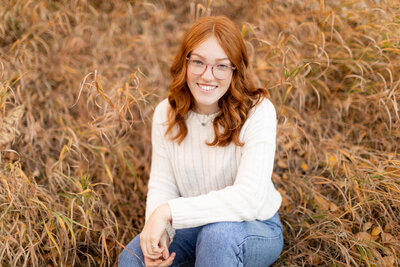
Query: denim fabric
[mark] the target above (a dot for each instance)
(254, 243)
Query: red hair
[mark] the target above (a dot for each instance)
(241, 96)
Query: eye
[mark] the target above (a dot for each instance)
(223, 66)
(198, 62)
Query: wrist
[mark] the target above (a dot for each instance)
(165, 212)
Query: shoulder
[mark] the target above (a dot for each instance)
(161, 111)
(264, 110)
(261, 122)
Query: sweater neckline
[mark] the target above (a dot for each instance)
(204, 115)
(203, 119)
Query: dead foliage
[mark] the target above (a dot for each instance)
(78, 84)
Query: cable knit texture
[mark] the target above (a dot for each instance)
(204, 184)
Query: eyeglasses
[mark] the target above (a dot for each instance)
(220, 71)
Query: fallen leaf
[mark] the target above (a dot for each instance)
(333, 207)
(366, 226)
(282, 164)
(373, 160)
(304, 167)
(341, 183)
(375, 231)
(364, 236)
(322, 203)
(388, 227)
(387, 238)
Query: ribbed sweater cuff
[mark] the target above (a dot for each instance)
(178, 216)
(170, 232)
(186, 216)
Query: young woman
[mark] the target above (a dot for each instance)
(211, 201)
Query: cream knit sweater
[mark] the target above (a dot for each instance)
(204, 184)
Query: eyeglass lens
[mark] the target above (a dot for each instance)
(220, 71)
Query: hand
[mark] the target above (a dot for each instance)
(165, 259)
(153, 233)
(159, 262)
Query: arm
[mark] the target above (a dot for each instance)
(253, 194)
(161, 187)
(153, 238)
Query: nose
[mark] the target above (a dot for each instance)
(207, 74)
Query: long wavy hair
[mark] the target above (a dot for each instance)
(235, 104)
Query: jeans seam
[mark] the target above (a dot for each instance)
(277, 224)
(260, 237)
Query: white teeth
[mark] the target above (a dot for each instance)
(207, 88)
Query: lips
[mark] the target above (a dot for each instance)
(207, 87)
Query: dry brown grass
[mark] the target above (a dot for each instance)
(79, 81)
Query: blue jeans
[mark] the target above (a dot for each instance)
(254, 243)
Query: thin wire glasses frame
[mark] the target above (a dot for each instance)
(206, 65)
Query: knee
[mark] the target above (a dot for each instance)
(124, 259)
(261, 250)
(132, 255)
(127, 258)
(220, 235)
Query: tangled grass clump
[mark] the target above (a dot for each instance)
(78, 84)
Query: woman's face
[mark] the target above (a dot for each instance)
(205, 88)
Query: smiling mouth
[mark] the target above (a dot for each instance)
(207, 88)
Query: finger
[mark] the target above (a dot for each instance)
(150, 262)
(144, 248)
(165, 253)
(153, 256)
(155, 248)
(169, 261)
(148, 252)
(164, 246)
(152, 248)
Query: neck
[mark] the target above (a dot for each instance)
(205, 112)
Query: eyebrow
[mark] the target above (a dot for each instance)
(218, 59)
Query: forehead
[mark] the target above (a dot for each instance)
(210, 49)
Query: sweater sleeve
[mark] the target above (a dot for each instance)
(162, 186)
(252, 193)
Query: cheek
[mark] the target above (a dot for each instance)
(227, 83)
(190, 82)
(190, 78)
